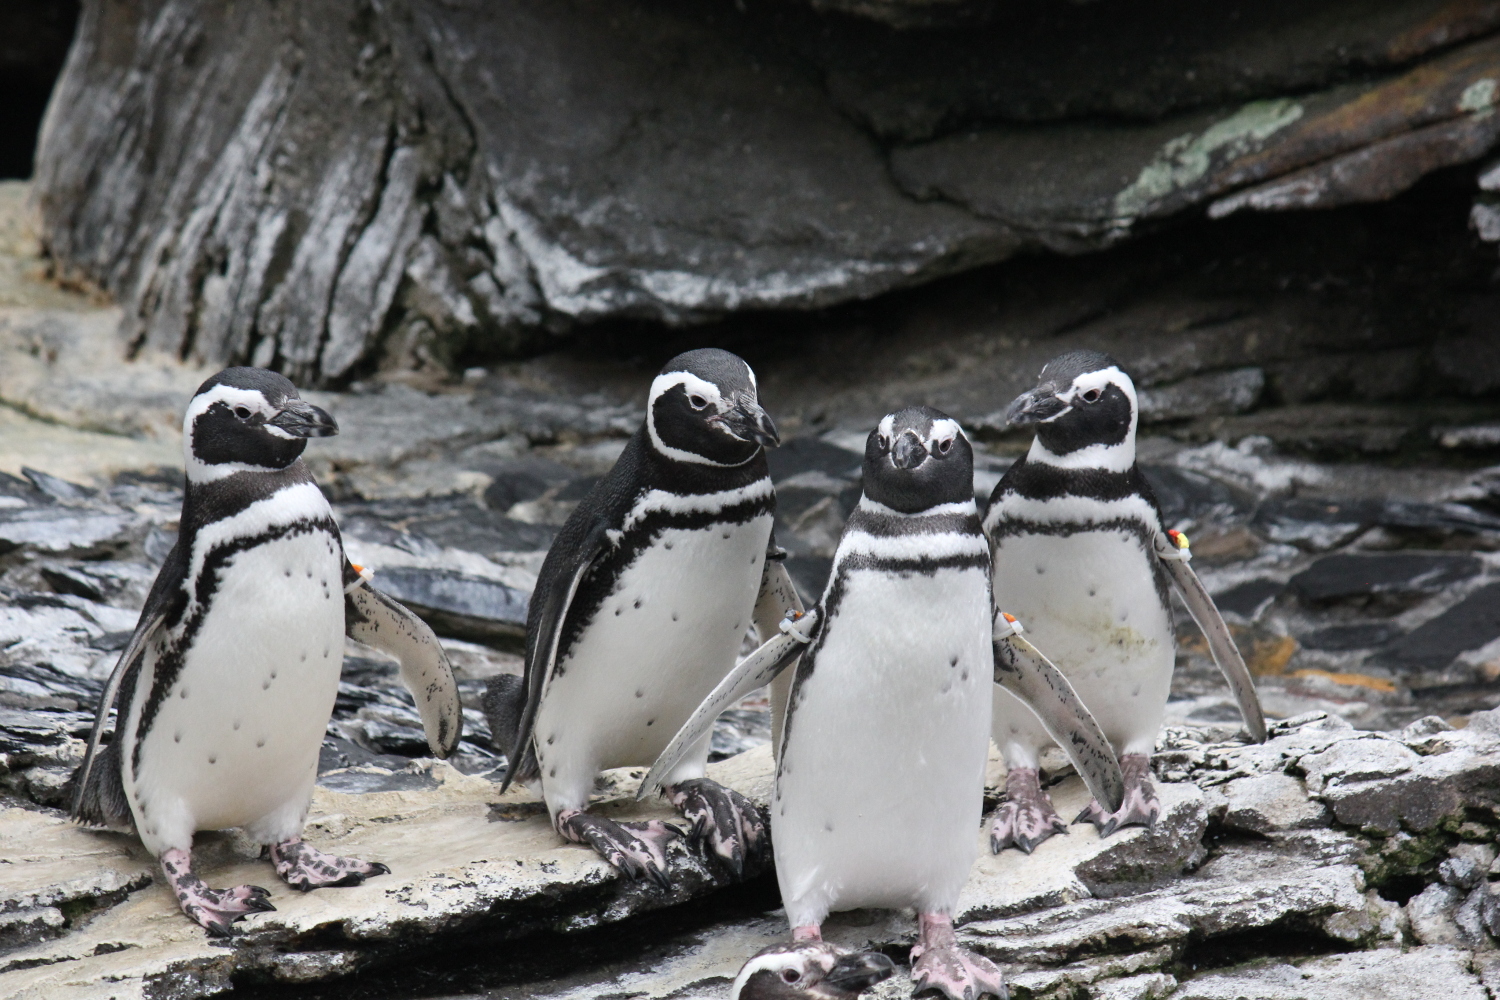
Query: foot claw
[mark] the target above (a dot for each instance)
(724, 820)
(1141, 807)
(1027, 818)
(305, 868)
(215, 910)
(637, 849)
(940, 966)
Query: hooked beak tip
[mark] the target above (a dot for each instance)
(304, 420)
(1032, 407)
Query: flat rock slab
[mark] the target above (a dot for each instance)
(1419, 974)
(461, 854)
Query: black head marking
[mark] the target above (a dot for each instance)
(810, 970)
(1082, 398)
(704, 410)
(248, 418)
(916, 459)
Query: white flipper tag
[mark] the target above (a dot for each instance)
(387, 626)
(1201, 606)
(1022, 670)
(756, 670)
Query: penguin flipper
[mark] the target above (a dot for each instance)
(754, 671)
(777, 596)
(1201, 606)
(1022, 670)
(376, 620)
(98, 787)
(550, 601)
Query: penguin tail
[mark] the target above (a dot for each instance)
(504, 703)
(102, 802)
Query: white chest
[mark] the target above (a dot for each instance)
(663, 638)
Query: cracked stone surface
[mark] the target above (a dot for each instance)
(441, 178)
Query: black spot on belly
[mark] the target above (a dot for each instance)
(667, 545)
(650, 722)
(552, 773)
(617, 612)
(828, 827)
(1040, 569)
(212, 759)
(177, 738)
(551, 739)
(265, 685)
(674, 616)
(953, 661)
(637, 602)
(260, 742)
(640, 692)
(236, 725)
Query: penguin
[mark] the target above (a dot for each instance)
(880, 779)
(809, 970)
(1080, 554)
(226, 686)
(639, 611)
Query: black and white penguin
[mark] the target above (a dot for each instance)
(224, 691)
(1081, 556)
(880, 778)
(639, 611)
(809, 970)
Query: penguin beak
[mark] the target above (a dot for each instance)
(908, 452)
(304, 420)
(858, 972)
(748, 422)
(1034, 406)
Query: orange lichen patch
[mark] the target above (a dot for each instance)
(1352, 680)
(1269, 656)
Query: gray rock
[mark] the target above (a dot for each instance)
(1270, 802)
(1432, 913)
(1356, 761)
(1213, 394)
(1469, 624)
(1429, 973)
(1344, 576)
(458, 605)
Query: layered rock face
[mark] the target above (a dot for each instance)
(337, 186)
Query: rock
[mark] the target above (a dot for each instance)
(1469, 624)
(454, 604)
(1249, 599)
(1270, 802)
(1350, 575)
(453, 205)
(1428, 973)
(456, 863)
(1235, 391)
(1418, 794)
(1338, 638)
(1147, 987)
(1432, 915)
(1318, 525)
(1356, 760)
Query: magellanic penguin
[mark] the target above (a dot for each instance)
(639, 611)
(809, 970)
(223, 693)
(880, 782)
(1082, 558)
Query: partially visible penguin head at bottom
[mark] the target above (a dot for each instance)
(918, 458)
(809, 970)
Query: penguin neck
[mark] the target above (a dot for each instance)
(1116, 457)
(207, 501)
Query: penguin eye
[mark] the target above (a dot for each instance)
(944, 445)
(790, 975)
(885, 443)
(697, 402)
(242, 412)
(1092, 396)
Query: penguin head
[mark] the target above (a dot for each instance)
(918, 458)
(704, 409)
(1084, 410)
(809, 969)
(248, 420)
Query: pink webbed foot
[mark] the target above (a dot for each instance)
(215, 910)
(1026, 818)
(1141, 806)
(939, 965)
(305, 868)
(722, 819)
(637, 849)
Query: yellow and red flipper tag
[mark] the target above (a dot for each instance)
(1178, 538)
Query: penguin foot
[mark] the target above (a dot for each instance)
(637, 849)
(1141, 806)
(1026, 818)
(305, 868)
(722, 819)
(215, 910)
(940, 967)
